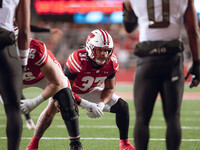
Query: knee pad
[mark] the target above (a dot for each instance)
(120, 107)
(66, 104)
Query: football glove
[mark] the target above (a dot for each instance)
(27, 105)
(95, 110)
(195, 71)
(129, 20)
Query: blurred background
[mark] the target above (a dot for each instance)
(77, 18)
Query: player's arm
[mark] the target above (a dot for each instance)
(109, 88)
(192, 28)
(55, 77)
(129, 17)
(23, 23)
(57, 81)
(52, 30)
(92, 108)
(38, 29)
(71, 76)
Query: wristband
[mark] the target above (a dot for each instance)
(24, 61)
(38, 99)
(24, 53)
(84, 103)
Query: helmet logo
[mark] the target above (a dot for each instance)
(90, 37)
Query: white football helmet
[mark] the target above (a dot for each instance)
(99, 39)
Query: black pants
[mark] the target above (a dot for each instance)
(164, 75)
(10, 90)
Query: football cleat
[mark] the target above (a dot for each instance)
(33, 145)
(30, 124)
(126, 145)
(76, 146)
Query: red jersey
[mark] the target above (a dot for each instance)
(87, 77)
(38, 56)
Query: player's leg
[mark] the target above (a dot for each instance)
(44, 121)
(172, 92)
(115, 105)
(121, 109)
(69, 113)
(145, 93)
(10, 90)
(29, 122)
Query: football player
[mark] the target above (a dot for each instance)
(29, 122)
(87, 69)
(11, 64)
(44, 71)
(160, 62)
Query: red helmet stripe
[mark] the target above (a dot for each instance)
(105, 36)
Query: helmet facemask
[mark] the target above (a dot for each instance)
(102, 59)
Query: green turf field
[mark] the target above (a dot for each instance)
(102, 134)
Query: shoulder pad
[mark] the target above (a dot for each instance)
(115, 62)
(76, 60)
(38, 52)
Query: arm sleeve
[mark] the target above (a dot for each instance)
(38, 29)
(68, 74)
(111, 76)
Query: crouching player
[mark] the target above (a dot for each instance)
(87, 69)
(44, 71)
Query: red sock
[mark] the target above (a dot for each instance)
(34, 143)
(124, 142)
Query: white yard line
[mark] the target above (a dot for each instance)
(113, 127)
(91, 138)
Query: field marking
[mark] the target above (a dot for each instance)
(91, 138)
(113, 127)
(186, 96)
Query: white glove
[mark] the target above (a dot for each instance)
(91, 115)
(95, 110)
(27, 105)
(101, 106)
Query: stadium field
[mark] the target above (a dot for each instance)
(102, 133)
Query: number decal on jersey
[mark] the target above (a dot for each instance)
(82, 56)
(151, 14)
(89, 81)
(28, 76)
(32, 53)
(1, 3)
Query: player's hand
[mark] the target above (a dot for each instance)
(27, 105)
(195, 72)
(95, 110)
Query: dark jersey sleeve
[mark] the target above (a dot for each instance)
(38, 29)
(68, 74)
(111, 76)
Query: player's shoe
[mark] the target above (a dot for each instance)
(76, 146)
(126, 145)
(30, 124)
(33, 145)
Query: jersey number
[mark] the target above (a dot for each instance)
(1, 3)
(89, 81)
(151, 14)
